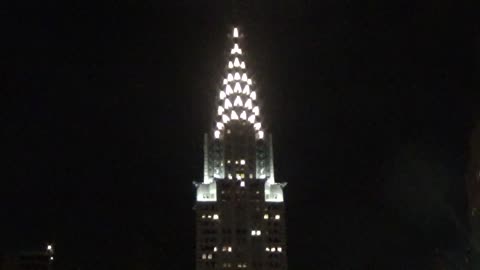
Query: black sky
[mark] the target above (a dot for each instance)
(105, 104)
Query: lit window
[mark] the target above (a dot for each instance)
(279, 249)
(215, 249)
(227, 104)
(215, 216)
(248, 104)
(51, 258)
(238, 177)
(242, 162)
(228, 89)
(209, 216)
(236, 161)
(238, 88)
(49, 247)
(246, 90)
(253, 95)
(251, 118)
(222, 95)
(243, 115)
(236, 63)
(230, 77)
(234, 115)
(203, 216)
(228, 161)
(249, 81)
(260, 134)
(225, 118)
(256, 110)
(229, 176)
(204, 256)
(273, 249)
(259, 232)
(265, 216)
(277, 216)
(238, 101)
(236, 49)
(224, 249)
(237, 76)
(244, 77)
(216, 134)
(267, 249)
(220, 110)
(220, 125)
(235, 32)
(209, 256)
(242, 183)
(230, 64)
(242, 65)
(253, 232)
(257, 126)
(229, 249)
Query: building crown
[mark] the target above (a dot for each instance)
(237, 98)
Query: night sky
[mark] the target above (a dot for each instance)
(104, 106)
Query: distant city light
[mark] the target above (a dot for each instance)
(235, 32)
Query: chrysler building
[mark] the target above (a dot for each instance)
(239, 208)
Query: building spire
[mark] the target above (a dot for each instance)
(237, 98)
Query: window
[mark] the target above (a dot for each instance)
(277, 217)
(265, 216)
(215, 216)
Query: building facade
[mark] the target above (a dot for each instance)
(240, 220)
(473, 191)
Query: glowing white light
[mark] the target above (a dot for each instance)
(238, 176)
(257, 126)
(209, 256)
(203, 216)
(238, 101)
(236, 63)
(242, 183)
(51, 258)
(215, 216)
(279, 249)
(242, 162)
(225, 118)
(272, 249)
(222, 95)
(259, 233)
(237, 76)
(267, 249)
(265, 216)
(220, 110)
(277, 216)
(228, 89)
(253, 232)
(244, 77)
(215, 249)
(220, 125)
(236, 49)
(251, 118)
(242, 65)
(256, 110)
(235, 32)
(227, 104)
(209, 216)
(216, 134)
(237, 88)
(246, 90)
(243, 115)
(230, 64)
(248, 104)
(229, 249)
(253, 95)
(260, 134)
(249, 81)
(49, 247)
(234, 115)
(204, 256)
(225, 81)
(230, 77)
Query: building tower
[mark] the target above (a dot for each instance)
(240, 220)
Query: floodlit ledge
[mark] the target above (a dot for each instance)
(207, 192)
(274, 192)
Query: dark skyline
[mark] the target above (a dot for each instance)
(370, 105)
